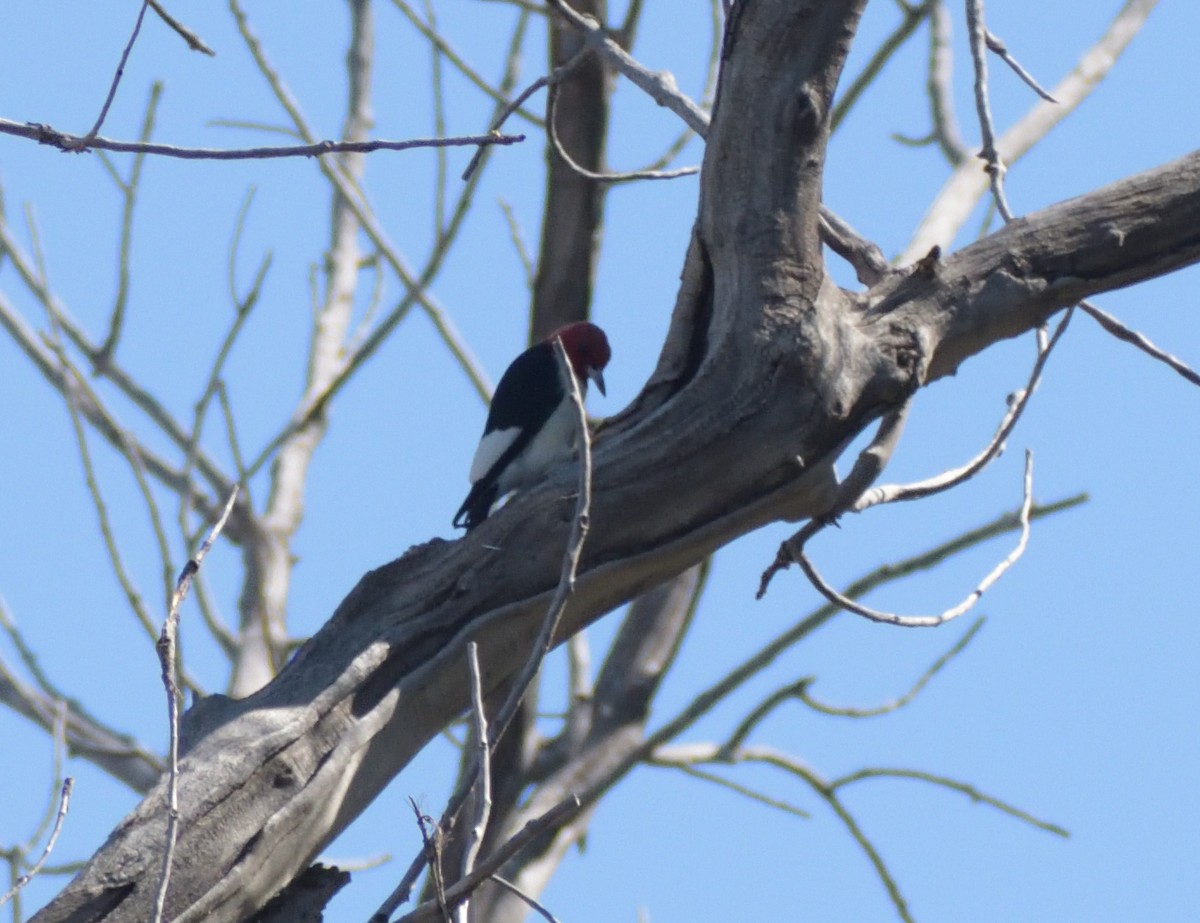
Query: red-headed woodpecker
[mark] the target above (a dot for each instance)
(531, 424)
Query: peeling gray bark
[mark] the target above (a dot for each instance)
(766, 362)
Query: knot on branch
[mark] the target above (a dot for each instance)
(809, 115)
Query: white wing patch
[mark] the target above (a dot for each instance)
(553, 443)
(491, 447)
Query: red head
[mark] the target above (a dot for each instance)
(587, 348)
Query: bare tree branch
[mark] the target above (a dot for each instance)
(803, 694)
(439, 42)
(660, 86)
(1017, 402)
(825, 790)
(957, 198)
(129, 191)
(168, 656)
(120, 755)
(1121, 332)
(552, 134)
(86, 140)
(463, 889)
(194, 41)
(533, 904)
(997, 47)
(954, 785)
(483, 783)
(911, 18)
(65, 141)
(929, 621)
(993, 164)
(90, 405)
(64, 802)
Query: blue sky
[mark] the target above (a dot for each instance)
(1075, 702)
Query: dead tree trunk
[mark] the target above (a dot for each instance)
(769, 370)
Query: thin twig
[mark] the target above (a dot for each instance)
(129, 191)
(534, 905)
(213, 386)
(439, 42)
(826, 791)
(58, 738)
(997, 47)
(483, 790)
(85, 141)
(65, 141)
(167, 644)
(977, 31)
(913, 16)
(928, 621)
(462, 889)
(661, 86)
(432, 857)
(1121, 332)
(938, 85)
(867, 467)
(576, 167)
(118, 754)
(132, 594)
(799, 690)
(194, 41)
(439, 125)
(433, 853)
(9, 625)
(661, 757)
(716, 33)
(74, 385)
(954, 785)
(518, 240)
(900, 701)
(64, 802)
(556, 75)
(1017, 402)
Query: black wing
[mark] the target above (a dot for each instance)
(526, 397)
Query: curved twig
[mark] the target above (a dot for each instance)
(1017, 402)
(929, 621)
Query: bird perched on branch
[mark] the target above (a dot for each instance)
(531, 424)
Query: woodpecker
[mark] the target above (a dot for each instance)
(531, 423)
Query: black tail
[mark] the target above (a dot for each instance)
(478, 504)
